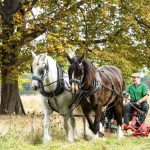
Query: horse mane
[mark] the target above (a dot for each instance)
(89, 73)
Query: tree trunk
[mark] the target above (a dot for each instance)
(10, 98)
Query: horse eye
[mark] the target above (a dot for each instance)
(41, 71)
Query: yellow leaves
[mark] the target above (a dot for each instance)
(104, 12)
(60, 59)
(22, 80)
(55, 43)
(15, 37)
(17, 18)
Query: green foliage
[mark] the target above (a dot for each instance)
(109, 32)
(25, 84)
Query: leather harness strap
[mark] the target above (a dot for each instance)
(59, 88)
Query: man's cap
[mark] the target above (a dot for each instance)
(136, 75)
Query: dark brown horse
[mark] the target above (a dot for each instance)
(97, 89)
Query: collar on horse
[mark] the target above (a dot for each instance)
(60, 83)
(96, 85)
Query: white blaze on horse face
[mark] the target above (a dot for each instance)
(74, 85)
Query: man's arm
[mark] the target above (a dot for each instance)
(142, 99)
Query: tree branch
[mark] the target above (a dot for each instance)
(42, 28)
(1, 9)
(27, 37)
(31, 5)
(17, 5)
(141, 21)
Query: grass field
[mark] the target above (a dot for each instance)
(25, 133)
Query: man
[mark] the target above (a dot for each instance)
(137, 94)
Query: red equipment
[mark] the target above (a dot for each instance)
(142, 130)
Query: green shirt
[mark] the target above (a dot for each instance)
(137, 92)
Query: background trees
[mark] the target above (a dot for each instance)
(107, 31)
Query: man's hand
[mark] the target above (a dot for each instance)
(138, 103)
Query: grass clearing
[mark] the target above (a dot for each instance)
(26, 132)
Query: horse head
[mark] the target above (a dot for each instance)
(75, 72)
(39, 69)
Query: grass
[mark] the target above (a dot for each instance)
(25, 133)
(14, 142)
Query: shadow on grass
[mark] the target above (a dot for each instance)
(36, 137)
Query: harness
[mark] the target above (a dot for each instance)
(58, 90)
(95, 86)
(60, 84)
(113, 90)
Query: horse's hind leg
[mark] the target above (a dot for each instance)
(118, 117)
(68, 128)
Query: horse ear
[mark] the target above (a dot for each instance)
(44, 56)
(33, 54)
(69, 59)
(81, 58)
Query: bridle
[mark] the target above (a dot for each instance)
(60, 81)
(43, 76)
(79, 82)
(83, 93)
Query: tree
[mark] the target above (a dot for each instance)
(13, 37)
(19, 26)
(107, 31)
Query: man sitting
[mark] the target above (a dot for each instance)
(137, 93)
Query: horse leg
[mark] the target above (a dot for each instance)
(101, 126)
(73, 124)
(97, 125)
(98, 113)
(68, 128)
(87, 110)
(47, 112)
(118, 117)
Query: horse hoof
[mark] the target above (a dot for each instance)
(120, 138)
(47, 139)
(70, 140)
(87, 137)
(100, 134)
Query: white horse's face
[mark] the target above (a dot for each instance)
(39, 66)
